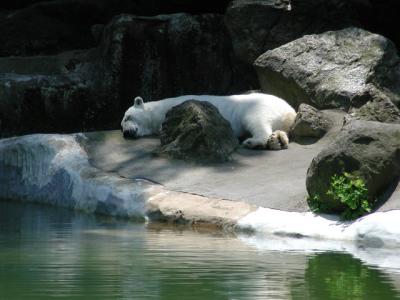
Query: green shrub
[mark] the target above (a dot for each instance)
(349, 190)
(316, 204)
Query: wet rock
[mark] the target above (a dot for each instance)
(335, 69)
(309, 123)
(369, 150)
(195, 130)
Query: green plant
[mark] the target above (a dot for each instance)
(316, 204)
(347, 189)
(352, 192)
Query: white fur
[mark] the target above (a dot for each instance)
(256, 114)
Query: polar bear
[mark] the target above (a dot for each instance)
(265, 118)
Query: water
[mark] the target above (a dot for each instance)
(48, 253)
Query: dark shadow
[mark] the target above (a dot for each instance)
(136, 151)
(330, 217)
(382, 198)
(307, 140)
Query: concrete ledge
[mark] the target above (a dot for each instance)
(56, 169)
(194, 209)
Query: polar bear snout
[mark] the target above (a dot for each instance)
(129, 128)
(130, 133)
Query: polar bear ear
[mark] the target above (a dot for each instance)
(138, 102)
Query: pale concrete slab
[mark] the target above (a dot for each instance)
(273, 179)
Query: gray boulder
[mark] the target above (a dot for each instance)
(195, 130)
(335, 69)
(379, 109)
(309, 123)
(370, 150)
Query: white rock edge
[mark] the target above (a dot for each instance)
(374, 239)
(374, 230)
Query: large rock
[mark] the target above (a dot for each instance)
(309, 123)
(370, 150)
(331, 70)
(169, 55)
(195, 130)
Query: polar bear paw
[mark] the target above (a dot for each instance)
(278, 140)
(253, 143)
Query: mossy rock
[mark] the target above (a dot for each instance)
(196, 131)
(366, 149)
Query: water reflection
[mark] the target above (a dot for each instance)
(47, 253)
(340, 276)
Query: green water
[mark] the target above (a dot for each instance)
(48, 253)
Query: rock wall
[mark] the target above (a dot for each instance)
(49, 27)
(155, 49)
(57, 93)
(168, 55)
(155, 57)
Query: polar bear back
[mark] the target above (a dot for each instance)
(241, 110)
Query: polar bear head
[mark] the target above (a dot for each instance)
(136, 121)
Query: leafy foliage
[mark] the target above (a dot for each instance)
(349, 190)
(316, 204)
(352, 192)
